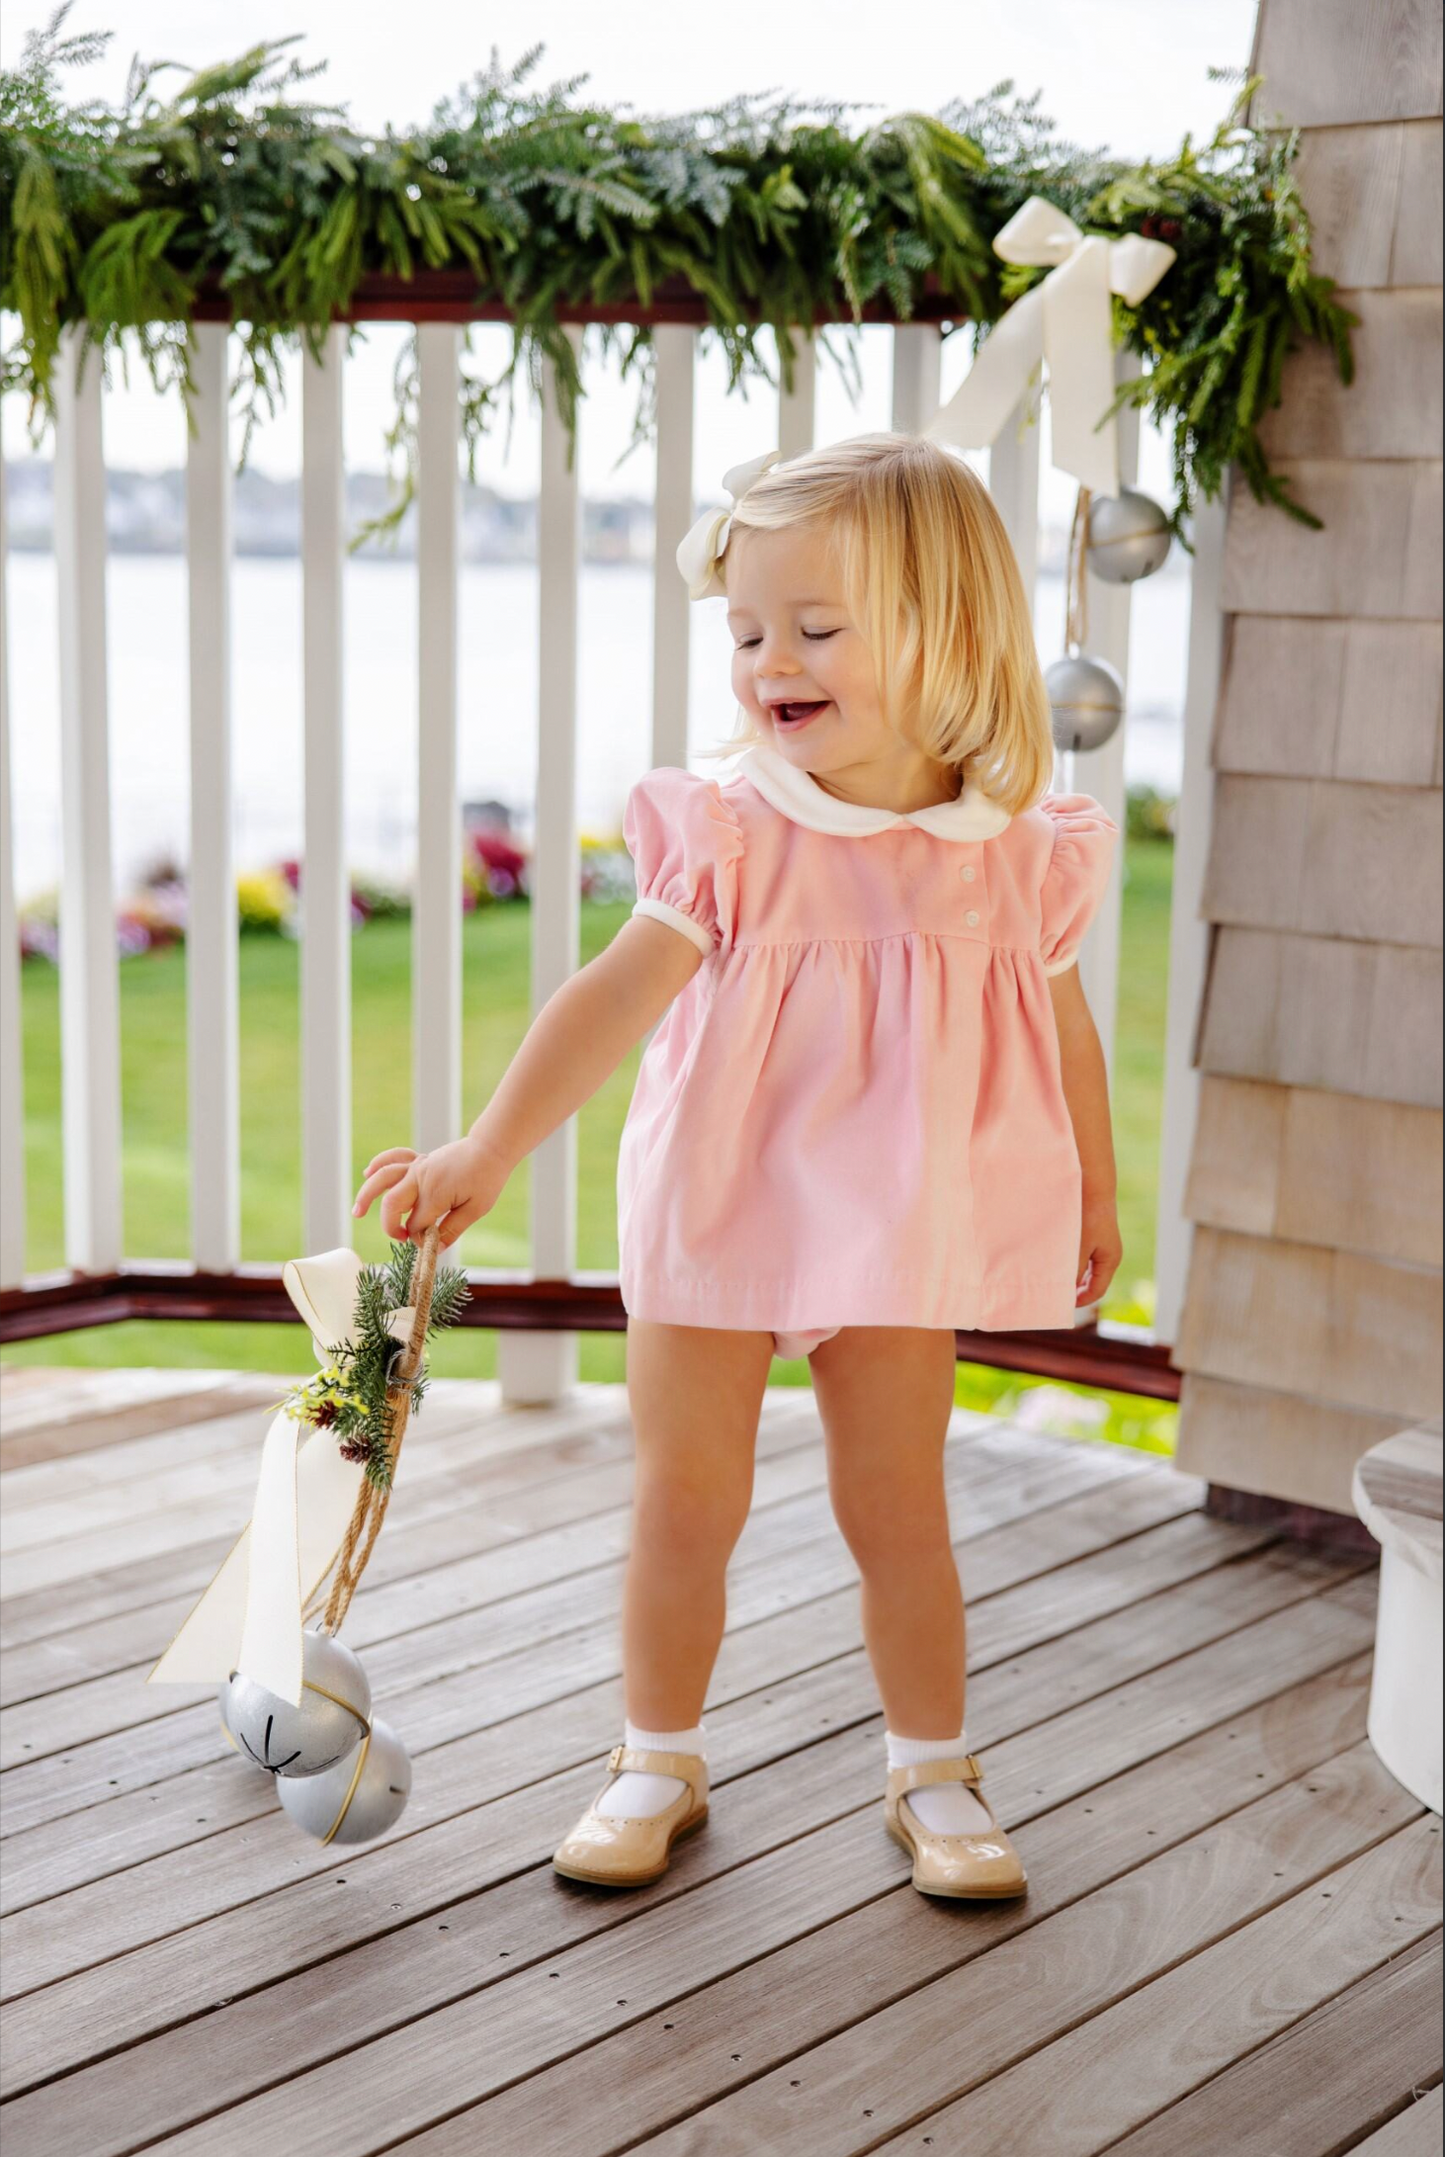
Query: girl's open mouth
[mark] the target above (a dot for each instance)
(796, 715)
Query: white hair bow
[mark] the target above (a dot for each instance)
(1066, 319)
(701, 549)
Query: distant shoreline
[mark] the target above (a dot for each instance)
(146, 515)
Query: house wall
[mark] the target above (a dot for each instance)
(1311, 1324)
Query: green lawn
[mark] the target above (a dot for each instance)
(495, 947)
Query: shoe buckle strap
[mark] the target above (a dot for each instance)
(687, 1767)
(964, 1767)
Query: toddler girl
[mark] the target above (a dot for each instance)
(874, 1108)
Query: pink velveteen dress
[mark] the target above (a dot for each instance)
(853, 1113)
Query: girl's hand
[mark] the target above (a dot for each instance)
(455, 1185)
(1101, 1248)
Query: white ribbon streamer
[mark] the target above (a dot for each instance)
(1066, 320)
(249, 1618)
(701, 549)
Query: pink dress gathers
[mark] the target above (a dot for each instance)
(853, 1113)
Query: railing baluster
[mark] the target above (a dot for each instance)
(1100, 772)
(917, 368)
(89, 972)
(12, 1062)
(325, 892)
(1188, 931)
(671, 608)
(536, 1366)
(1013, 481)
(796, 408)
(436, 962)
(212, 959)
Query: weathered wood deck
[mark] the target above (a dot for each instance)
(1231, 1944)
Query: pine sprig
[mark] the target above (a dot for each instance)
(773, 211)
(350, 1395)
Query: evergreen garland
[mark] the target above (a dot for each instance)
(768, 209)
(349, 1394)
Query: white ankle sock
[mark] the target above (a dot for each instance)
(944, 1808)
(638, 1795)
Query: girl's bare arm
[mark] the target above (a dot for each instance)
(575, 1042)
(1086, 1089)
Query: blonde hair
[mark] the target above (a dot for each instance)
(931, 581)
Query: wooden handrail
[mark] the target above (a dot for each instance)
(451, 296)
(1117, 1357)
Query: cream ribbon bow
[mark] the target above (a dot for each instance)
(701, 549)
(1067, 320)
(250, 1617)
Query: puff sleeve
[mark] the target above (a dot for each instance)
(685, 842)
(1085, 836)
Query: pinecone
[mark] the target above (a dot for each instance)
(356, 1449)
(323, 1415)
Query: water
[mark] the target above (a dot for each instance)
(146, 629)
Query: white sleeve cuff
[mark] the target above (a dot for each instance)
(1061, 966)
(676, 919)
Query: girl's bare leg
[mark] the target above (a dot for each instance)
(696, 1393)
(885, 1394)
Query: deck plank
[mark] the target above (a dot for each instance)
(536, 1447)
(1343, 2067)
(846, 1864)
(427, 1608)
(456, 1433)
(240, 1946)
(643, 2076)
(1172, 1708)
(59, 1854)
(506, 1503)
(1415, 2132)
(647, 2075)
(245, 1862)
(1080, 2094)
(1180, 1901)
(55, 1415)
(129, 1585)
(173, 1435)
(568, 1624)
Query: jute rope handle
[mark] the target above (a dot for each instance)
(371, 1503)
(1076, 580)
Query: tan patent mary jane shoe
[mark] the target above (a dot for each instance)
(626, 1852)
(984, 1864)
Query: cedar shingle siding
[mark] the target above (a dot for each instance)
(1312, 1318)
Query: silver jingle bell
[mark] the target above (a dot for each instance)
(1086, 701)
(222, 1695)
(288, 1739)
(1128, 537)
(358, 1799)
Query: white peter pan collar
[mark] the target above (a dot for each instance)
(971, 815)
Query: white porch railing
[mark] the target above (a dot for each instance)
(534, 1365)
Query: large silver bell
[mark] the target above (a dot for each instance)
(359, 1798)
(287, 1739)
(1128, 537)
(1086, 701)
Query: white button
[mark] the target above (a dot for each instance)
(972, 920)
(968, 874)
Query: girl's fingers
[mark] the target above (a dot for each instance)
(392, 1153)
(381, 1180)
(398, 1200)
(457, 1222)
(1095, 1277)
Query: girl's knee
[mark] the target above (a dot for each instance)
(679, 1518)
(888, 1538)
